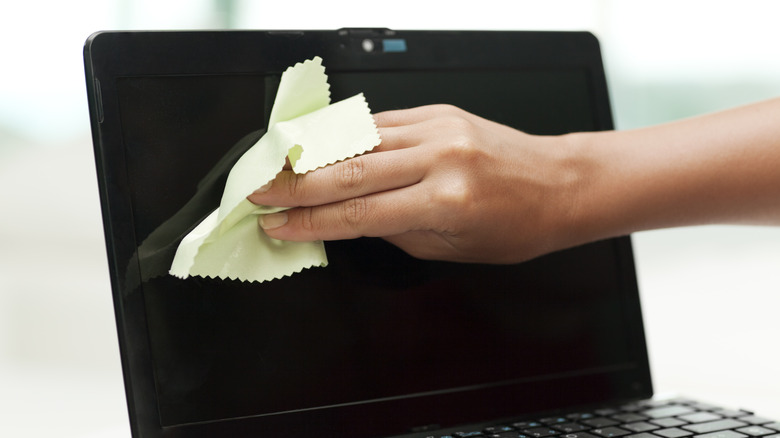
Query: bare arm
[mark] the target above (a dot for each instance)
(718, 168)
(449, 185)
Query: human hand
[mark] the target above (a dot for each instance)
(444, 184)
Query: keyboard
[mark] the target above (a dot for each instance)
(676, 418)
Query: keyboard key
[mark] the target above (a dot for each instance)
(672, 432)
(700, 417)
(755, 431)
(629, 418)
(504, 435)
(579, 435)
(681, 401)
(541, 432)
(498, 429)
(579, 416)
(553, 420)
(639, 426)
(526, 424)
(610, 432)
(775, 425)
(569, 427)
(668, 422)
(714, 426)
(606, 412)
(703, 406)
(731, 413)
(723, 434)
(600, 422)
(752, 419)
(659, 403)
(668, 411)
(641, 435)
(471, 434)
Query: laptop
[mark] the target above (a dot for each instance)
(378, 343)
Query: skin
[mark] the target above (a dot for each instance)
(448, 185)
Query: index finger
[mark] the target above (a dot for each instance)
(411, 116)
(347, 179)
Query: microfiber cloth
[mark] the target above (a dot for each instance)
(310, 132)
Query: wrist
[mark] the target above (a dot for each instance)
(592, 208)
(630, 181)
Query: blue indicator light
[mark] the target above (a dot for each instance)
(394, 45)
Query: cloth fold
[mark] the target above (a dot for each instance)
(311, 132)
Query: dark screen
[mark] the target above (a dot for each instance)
(375, 324)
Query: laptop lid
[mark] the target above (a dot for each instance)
(377, 343)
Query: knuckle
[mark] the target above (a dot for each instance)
(306, 218)
(459, 122)
(462, 142)
(295, 186)
(464, 148)
(351, 174)
(456, 198)
(354, 212)
(448, 109)
(462, 154)
(454, 204)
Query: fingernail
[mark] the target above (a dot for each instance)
(274, 220)
(265, 187)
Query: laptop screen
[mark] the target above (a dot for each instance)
(376, 331)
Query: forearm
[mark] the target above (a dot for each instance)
(719, 168)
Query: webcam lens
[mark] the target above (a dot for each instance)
(368, 45)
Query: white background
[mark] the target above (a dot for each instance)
(710, 294)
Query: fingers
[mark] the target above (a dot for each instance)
(401, 129)
(426, 125)
(355, 177)
(413, 116)
(386, 213)
(400, 137)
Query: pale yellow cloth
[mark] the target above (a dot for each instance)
(313, 133)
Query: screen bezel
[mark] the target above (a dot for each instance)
(112, 55)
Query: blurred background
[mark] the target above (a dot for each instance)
(710, 294)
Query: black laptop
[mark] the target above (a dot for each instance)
(377, 343)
